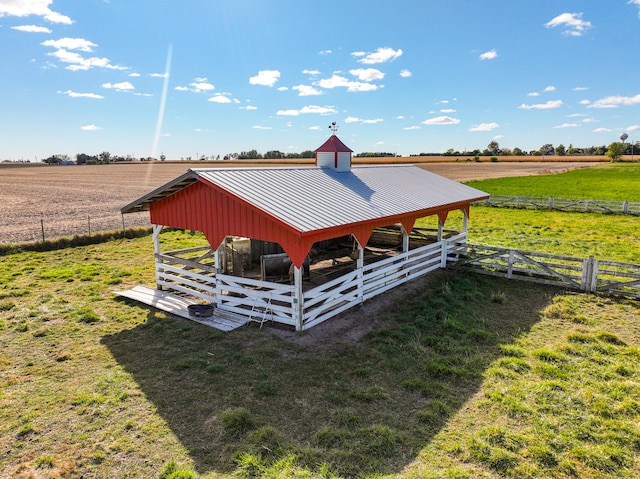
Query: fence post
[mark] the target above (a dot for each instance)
(42, 228)
(595, 267)
(510, 265)
(444, 251)
(625, 207)
(551, 203)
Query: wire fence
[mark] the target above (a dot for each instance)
(51, 227)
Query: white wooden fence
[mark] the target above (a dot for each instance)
(589, 275)
(564, 204)
(191, 272)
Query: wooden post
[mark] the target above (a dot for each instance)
(465, 220)
(625, 207)
(440, 229)
(42, 228)
(510, 265)
(359, 272)
(156, 250)
(405, 239)
(298, 299)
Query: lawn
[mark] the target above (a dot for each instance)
(466, 376)
(607, 181)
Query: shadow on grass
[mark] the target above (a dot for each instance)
(248, 398)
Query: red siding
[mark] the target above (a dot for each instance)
(205, 207)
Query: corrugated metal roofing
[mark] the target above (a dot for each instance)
(310, 198)
(334, 144)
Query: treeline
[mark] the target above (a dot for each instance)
(494, 149)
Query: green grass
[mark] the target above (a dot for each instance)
(451, 382)
(608, 181)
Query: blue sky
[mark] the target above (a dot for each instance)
(210, 77)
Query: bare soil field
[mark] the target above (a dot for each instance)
(76, 200)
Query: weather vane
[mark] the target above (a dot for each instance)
(333, 127)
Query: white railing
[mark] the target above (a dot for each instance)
(564, 204)
(589, 275)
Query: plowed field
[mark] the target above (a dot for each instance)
(70, 200)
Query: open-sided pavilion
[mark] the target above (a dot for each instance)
(298, 209)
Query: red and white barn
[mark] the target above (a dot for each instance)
(295, 208)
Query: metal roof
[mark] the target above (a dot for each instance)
(313, 198)
(334, 144)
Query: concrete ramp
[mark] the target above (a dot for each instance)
(178, 306)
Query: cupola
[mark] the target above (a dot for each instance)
(333, 153)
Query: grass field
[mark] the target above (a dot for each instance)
(464, 377)
(607, 181)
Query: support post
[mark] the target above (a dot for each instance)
(440, 230)
(359, 272)
(298, 299)
(156, 250)
(405, 239)
(465, 220)
(218, 259)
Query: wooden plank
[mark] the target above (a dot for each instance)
(178, 306)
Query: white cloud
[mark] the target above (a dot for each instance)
(582, 88)
(31, 29)
(367, 74)
(447, 110)
(567, 125)
(122, 86)
(325, 52)
(576, 115)
(490, 55)
(181, 88)
(635, 2)
(573, 23)
(77, 61)
(265, 78)
(405, 73)
(74, 94)
(584, 102)
(282, 88)
(201, 86)
(220, 98)
(633, 128)
(484, 127)
(258, 127)
(616, 101)
(311, 72)
(543, 106)
(24, 8)
(142, 94)
(338, 81)
(602, 130)
(249, 107)
(352, 119)
(381, 55)
(549, 88)
(589, 120)
(158, 75)
(90, 128)
(412, 128)
(134, 75)
(71, 44)
(307, 90)
(441, 120)
(533, 93)
(318, 110)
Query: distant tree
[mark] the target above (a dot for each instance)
(615, 151)
(560, 150)
(493, 147)
(162, 157)
(104, 157)
(274, 154)
(517, 152)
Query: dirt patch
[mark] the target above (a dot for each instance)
(351, 326)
